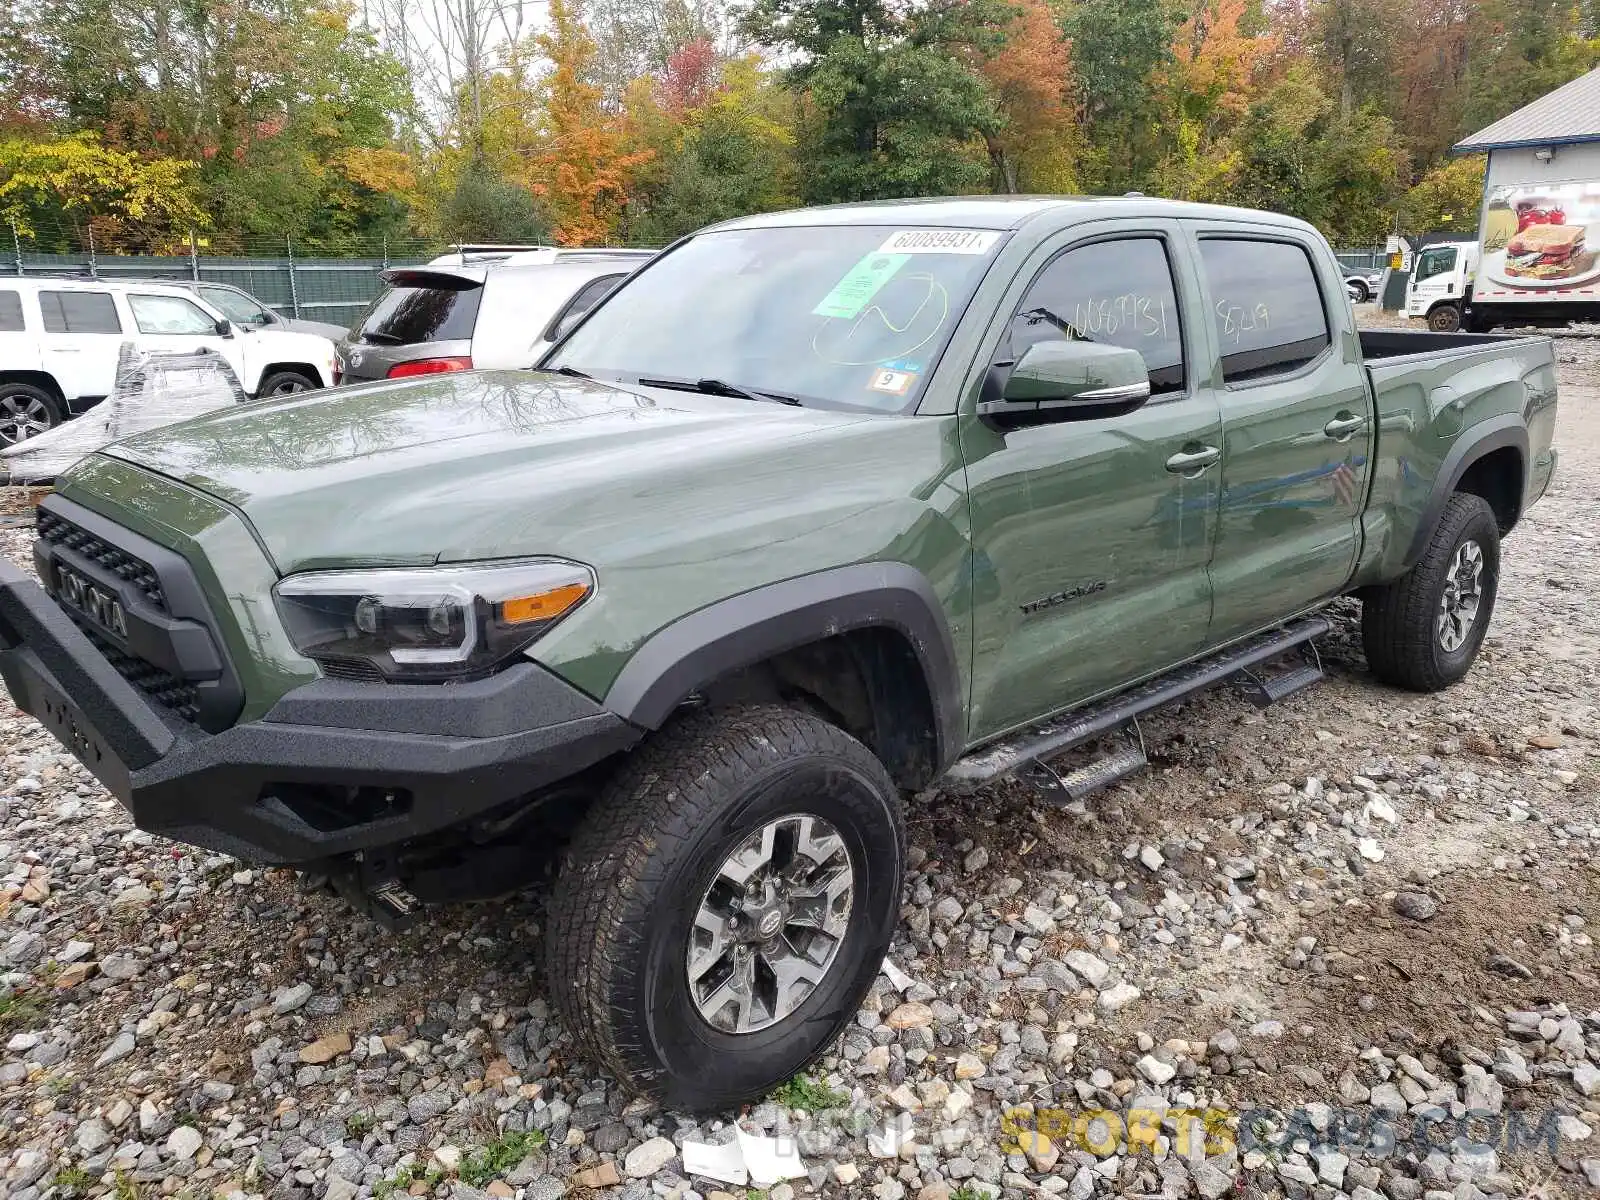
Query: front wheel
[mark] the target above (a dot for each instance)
(1423, 631)
(1445, 319)
(726, 904)
(285, 383)
(25, 411)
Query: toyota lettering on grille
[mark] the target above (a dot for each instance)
(100, 606)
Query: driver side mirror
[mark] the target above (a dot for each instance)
(224, 327)
(1066, 381)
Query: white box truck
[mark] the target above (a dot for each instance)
(1539, 234)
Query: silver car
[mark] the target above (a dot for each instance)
(244, 310)
(456, 318)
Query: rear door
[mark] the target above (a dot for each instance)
(1093, 536)
(81, 336)
(1296, 424)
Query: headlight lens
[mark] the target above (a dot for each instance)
(429, 623)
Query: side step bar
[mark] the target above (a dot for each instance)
(1027, 750)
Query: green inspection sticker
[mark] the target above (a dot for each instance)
(860, 284)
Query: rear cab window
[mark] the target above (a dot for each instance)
(422, 307)
(79, 312)
(1266, 304)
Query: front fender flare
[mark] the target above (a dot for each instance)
(756, 625)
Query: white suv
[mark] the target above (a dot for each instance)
(59, 341)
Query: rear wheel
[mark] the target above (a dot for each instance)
(285, 383)
(1444, 319)
(1358, 291)
(25, 411)
(1423, 631)
(726, 904)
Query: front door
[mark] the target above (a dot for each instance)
(1093, 536)
(177, 323)
(1297, 428)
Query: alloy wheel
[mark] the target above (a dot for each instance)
(770, 924)
(21, 417)
(1463, 595)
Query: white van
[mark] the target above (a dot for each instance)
(60, 337)
(1441, 281)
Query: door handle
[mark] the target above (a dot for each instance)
(1343, 426)
(1192, 463)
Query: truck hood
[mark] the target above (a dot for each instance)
(464, 466)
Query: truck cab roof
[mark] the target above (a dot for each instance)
(1005, 212)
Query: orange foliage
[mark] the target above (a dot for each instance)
(1216, 62)
(1029, 76)
(582, 172)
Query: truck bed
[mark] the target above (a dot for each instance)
(1377, 344)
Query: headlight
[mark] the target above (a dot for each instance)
(428, 623)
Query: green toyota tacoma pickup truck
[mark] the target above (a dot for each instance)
(817, 509)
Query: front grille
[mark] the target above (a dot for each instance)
(352, 669)
(60, 532)
(174, 694)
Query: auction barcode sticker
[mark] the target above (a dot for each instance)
(940, 241)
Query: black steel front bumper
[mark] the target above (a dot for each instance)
(332, 768)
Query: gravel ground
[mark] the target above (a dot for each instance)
(1293, 959)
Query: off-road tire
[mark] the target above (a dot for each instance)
(285, 383)
(22, 397)
(1399, 622)
(632, 879)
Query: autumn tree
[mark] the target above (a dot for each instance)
(1034, 146)
(582, 170)
(76, 184)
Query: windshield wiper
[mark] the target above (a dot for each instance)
(719, 387)
(573, 371)
(382, 339)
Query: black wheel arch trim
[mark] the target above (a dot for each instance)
(749, 628)
(1474, 442)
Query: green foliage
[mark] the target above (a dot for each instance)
(1446, 199)
(412, 1172)
(807, 1095)
(485, 207)
(499, 1156)
(967, 1192)
(73, 1182)
(20, 1013)
(138, 122)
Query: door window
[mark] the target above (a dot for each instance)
(588, 296)
(1267, 306)
(79, 312)
(1436, 260)
(236, 306)
(170, 315)
(1119, 292)
(10, 312)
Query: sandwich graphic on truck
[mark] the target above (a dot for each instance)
(1546, 252)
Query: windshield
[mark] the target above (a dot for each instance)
(836, 316)
(1435, 260)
